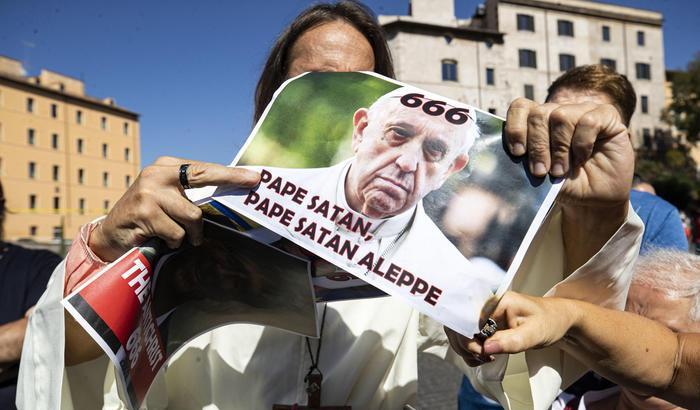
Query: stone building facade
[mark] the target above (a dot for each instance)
(65, 157)
(514, 48)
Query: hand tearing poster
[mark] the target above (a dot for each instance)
(369, 187)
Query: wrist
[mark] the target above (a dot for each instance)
(100, 245)
(574, 316)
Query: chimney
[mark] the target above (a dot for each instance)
(433, 11)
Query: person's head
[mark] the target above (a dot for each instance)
(639, 184)
(666, 288)
(595, 83)
(342, 36)
(402, 154)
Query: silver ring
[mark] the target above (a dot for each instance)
(184, 181)
(489, 328)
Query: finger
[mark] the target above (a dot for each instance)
(458, 342)
(185, 213)
(168, 161)
(515, 340)
(162, 226)
(598, 123)
(515, 131)
(201, 174)
(538, 139)
(562, 124)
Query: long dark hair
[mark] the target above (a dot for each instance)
(350, 11)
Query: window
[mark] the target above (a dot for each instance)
(492, 111)
(646, 136)
(54, 111)
(79, 145)
(31, 170)
(643, 71)
(30, 104)
(127, 154)
(126, 128)
(31, 136)
(105, 205)
(57, 232)
(449, 70)
(56, 203)
(640, 39)
(127, 181)
(566, 62)
(81, 176)
(54, 141)
(81, 206)
(490, 77)
(528, 58)
(606, 34)
(644, 104)
(32, 201)
(609, 62)
(105, 179)
(103, 123)
(565, 28)
(529, 92)
(55, 173)
(104, 150)
(32, 230)
(79, 117)
(526, 22)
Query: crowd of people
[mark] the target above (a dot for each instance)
(583, 272)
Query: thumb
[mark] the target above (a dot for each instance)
(514, 340)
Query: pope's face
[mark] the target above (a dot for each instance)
(401, 154)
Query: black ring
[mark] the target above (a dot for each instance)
(183, 176)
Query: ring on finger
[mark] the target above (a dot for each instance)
(184, 181)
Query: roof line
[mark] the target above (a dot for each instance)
(459, 32)
(588, 11)
(91, 101)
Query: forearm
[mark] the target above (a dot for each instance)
(11, 340)
(635, 352)
(586, 229)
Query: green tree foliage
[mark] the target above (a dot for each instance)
(313, 115)
(686, 100)
(673, 173)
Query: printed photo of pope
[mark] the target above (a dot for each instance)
(402, 150)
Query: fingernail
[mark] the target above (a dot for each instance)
(539, 169)
(557, 169)
(517, 149)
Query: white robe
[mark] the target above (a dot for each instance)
(369, 355)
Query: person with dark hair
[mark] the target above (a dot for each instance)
(368, 355)
(330, 54)
(23, 276)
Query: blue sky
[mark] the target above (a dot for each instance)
(189, 68)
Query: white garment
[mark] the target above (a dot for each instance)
(369, 354)
(586, 400)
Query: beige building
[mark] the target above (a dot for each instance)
(65, 157)
(513, 48)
